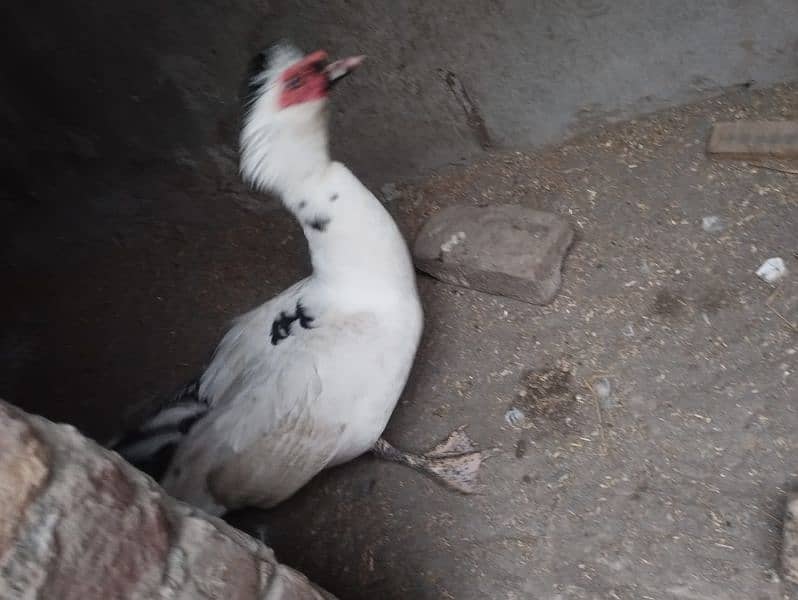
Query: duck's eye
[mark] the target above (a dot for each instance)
(294, 82)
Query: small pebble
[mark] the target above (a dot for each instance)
(390, 192)
(515, 417)
(772, 270)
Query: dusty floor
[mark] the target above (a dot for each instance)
(671, 487)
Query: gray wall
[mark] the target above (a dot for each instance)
(536, 70)
(131, 83)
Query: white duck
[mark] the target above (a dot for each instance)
(309, 379)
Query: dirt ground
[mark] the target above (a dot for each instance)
(669, 486)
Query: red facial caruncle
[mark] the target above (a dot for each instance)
(305, 81)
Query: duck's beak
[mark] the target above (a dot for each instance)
(339, 69)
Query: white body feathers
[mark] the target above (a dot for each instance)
(309, 379)
(281, 412)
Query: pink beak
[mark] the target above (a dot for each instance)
(339, 69)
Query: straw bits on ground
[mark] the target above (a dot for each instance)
(547, 400)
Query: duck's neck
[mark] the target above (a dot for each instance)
(354, 243)
(303, 157)
(281, 153)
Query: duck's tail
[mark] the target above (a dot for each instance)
(150, 447)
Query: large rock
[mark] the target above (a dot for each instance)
(23, 467)
(78, 522)
(506, 250)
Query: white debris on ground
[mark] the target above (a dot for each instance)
(712, 224)
(603, 390)
(772, 270)
(456, 238)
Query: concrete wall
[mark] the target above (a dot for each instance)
(535, 70)
(111, 82)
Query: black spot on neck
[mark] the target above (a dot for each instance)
(302, 204)
(318, 223)
(334, 197)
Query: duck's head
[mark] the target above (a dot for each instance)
(284, 137)
(310, 79)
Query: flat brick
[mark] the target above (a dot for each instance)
(752, 138)
(505, 250)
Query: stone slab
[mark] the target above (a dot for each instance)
(506, 250)
(755, 138)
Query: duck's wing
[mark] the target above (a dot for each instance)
(268, 431)
(277, 447)
(259, 446)
(258, 342)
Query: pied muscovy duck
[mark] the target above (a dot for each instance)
(309, 379)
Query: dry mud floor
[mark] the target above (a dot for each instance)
(670, 486)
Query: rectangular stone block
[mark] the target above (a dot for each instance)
(505, 250)
(755, 138)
